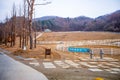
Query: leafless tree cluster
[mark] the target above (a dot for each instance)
(8, 30)
(18, 26)
(19, 29)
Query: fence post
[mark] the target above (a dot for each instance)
(101, 54)
(91, 54)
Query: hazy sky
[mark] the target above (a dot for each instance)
(64, 8)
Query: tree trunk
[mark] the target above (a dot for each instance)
(30, 5)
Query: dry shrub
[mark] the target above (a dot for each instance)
(20, 52)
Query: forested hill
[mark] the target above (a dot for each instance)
(109, 22)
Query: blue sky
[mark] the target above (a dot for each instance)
(64, 8)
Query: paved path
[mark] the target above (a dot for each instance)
(110, 67)
(39, 35)
(14, 70)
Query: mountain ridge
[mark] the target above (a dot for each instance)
(108, 22)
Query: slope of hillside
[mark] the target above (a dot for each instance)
(109, 22)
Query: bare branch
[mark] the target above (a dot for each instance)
(44, 3)
(28, 2)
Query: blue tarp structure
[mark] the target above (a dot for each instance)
(83, 50)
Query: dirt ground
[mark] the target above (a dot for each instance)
(66, 73)
(71, 73)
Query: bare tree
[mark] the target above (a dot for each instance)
(30, 12)
(13, 26)
(23, 27)
(6, 31)
(20, 32)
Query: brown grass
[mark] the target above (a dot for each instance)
(77, 36)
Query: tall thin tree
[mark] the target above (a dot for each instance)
(30, 5)
(13, 26)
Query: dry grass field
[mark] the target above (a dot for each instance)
(77, 36)
(62, 36)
